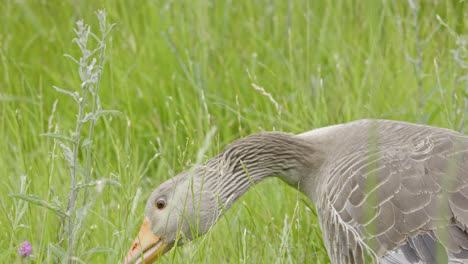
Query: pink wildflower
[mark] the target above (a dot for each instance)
(25, 249)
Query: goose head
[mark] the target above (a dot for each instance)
(177, 211)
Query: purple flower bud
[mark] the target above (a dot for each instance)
(25, 249)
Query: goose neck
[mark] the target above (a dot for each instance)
(249, 160)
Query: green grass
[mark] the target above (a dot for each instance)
(176, 69)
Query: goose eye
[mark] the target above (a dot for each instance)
(160, 204)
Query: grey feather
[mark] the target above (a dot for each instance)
(414, 176)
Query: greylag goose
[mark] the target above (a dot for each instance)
(385, 191)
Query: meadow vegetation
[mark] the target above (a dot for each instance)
(176, 70)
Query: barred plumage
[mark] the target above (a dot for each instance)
(385, 191)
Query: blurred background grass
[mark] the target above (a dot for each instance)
(175, 69)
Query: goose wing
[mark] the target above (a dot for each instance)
(401, 200)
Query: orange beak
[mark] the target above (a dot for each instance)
(146, 248)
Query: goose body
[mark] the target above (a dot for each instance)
(385, 191)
